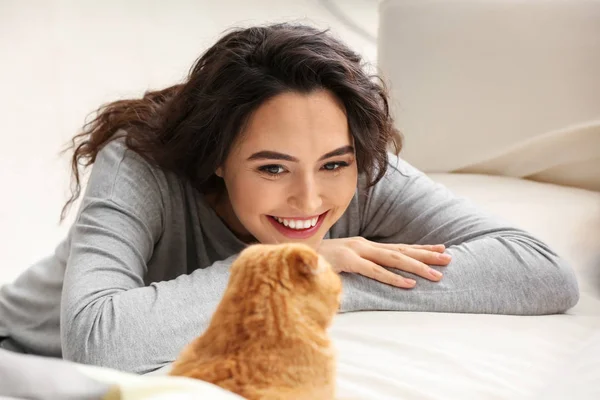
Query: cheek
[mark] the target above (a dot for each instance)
(340, 189)
(251, 197)
(350, 184)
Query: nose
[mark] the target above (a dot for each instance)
(305, 195)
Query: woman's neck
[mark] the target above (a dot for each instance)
(219, 202)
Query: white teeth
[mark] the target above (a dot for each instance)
(297, 223)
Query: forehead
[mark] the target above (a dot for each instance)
(296, 122)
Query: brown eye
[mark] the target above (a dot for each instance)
(272, 169)
(332, 166)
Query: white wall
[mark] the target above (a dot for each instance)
(61, 59)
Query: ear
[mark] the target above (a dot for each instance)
(307, 261)
(219, 172)
(321, 266)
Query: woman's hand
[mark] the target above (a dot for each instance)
(361, 256)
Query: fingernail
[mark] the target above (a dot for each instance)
(445, 257)
(434, 273)
(411, 282)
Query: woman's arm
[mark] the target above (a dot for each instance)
(109, 317)
(495, 268)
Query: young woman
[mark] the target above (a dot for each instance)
(277, 135)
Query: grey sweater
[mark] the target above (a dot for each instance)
(146, 262)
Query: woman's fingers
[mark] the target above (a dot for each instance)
(428, 257)
(438, 248)
(371, 260)
(374, 271)
(428, 254)
(398, 260)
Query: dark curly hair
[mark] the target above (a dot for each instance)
(189, 128)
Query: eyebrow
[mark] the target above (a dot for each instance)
(274, 155)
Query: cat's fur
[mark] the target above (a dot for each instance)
(268, 337)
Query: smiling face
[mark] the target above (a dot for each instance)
(292, 172)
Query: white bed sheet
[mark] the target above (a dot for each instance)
(387, 355)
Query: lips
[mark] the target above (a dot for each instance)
(292, 229)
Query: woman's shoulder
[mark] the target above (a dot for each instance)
(397, 165)
(398, 172)
(123, 176)
(116, 159)
(372, 201)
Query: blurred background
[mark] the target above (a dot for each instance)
(61, 59)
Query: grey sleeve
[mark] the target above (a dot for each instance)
(109, 317)
(495, 268)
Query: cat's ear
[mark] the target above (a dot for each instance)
(320, 267)
(308, 262)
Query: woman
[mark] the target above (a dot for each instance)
(277, 135)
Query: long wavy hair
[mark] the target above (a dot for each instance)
(189, 128)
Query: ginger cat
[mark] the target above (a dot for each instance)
(268, 337)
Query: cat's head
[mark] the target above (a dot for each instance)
(293, 273)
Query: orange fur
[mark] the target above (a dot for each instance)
(268, 337)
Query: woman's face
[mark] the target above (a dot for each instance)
(292, 173)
